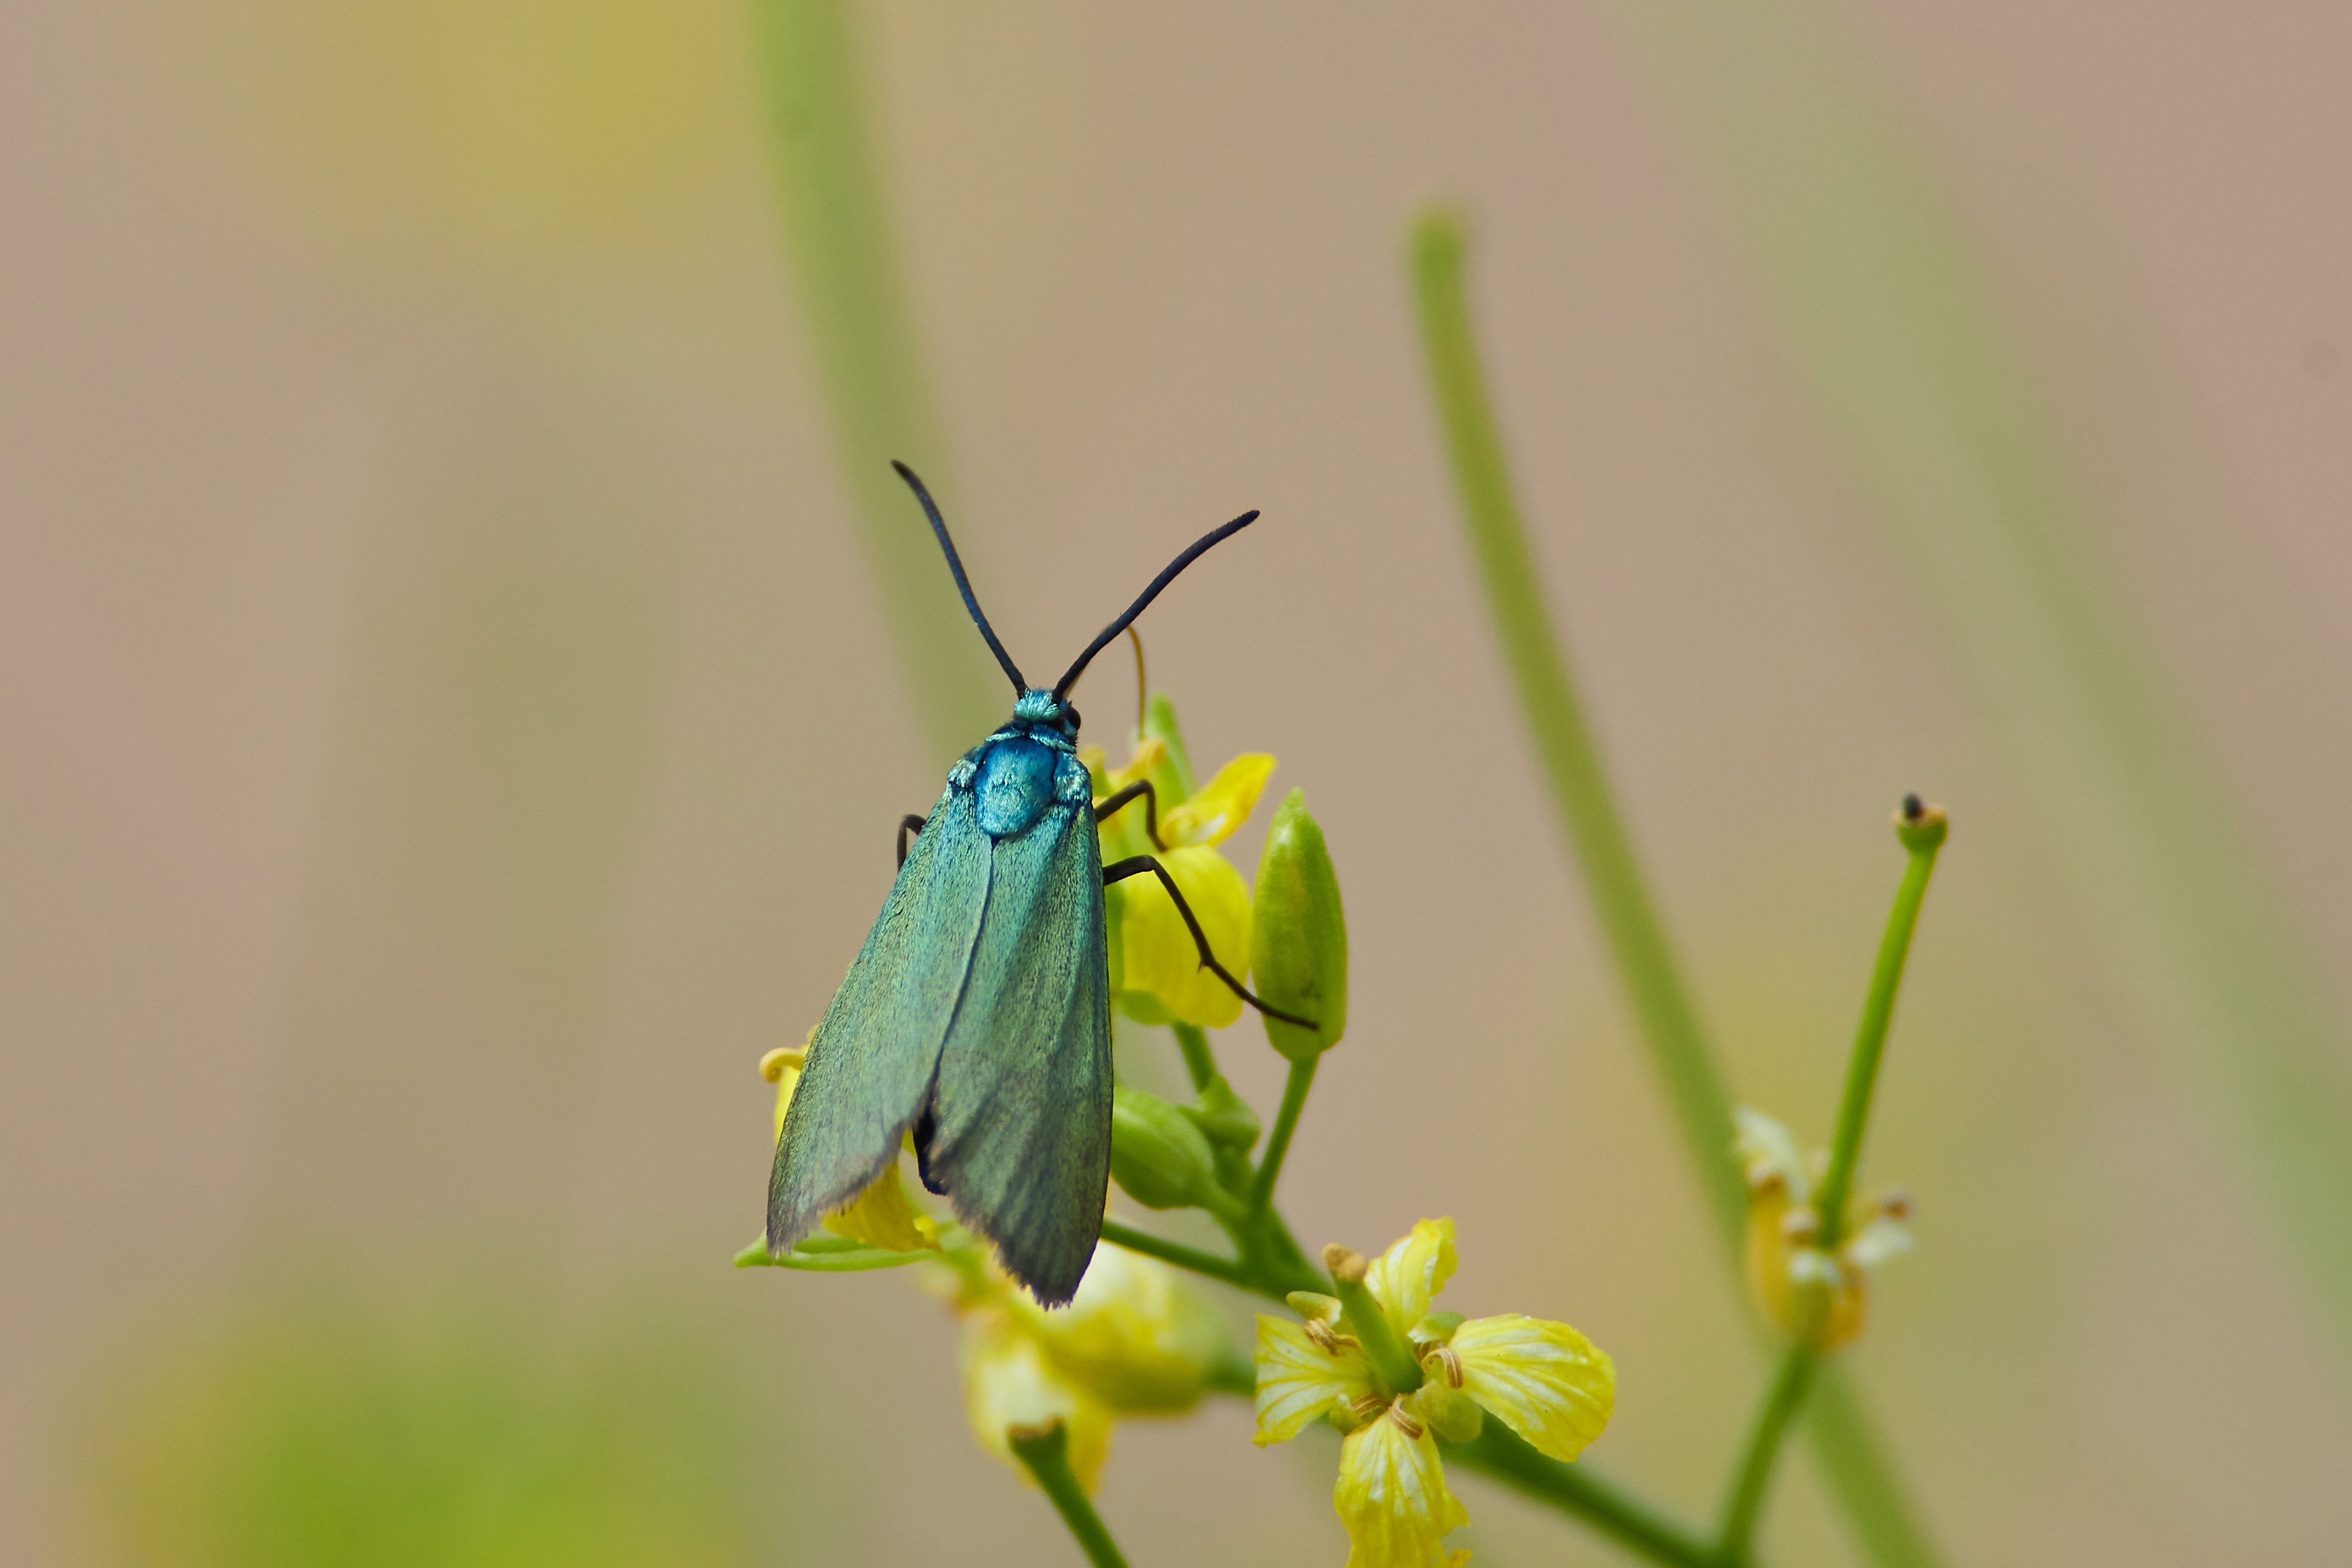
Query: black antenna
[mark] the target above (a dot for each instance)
(1143, 601)
(963, 584)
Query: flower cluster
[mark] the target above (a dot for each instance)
(1542, 1379)
(1401, 1380)
(1155, 966)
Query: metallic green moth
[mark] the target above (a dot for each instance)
(977, 1016)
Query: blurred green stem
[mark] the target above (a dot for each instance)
(1200, 1061)
(1579, 785)
(1046, 1451)
(1782, 1402)
(1865, 1486)
(862, 339)
(1630, 1521)
(1924, 392)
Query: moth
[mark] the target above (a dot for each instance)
(977, 1016)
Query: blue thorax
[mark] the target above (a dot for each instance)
(1027, 765)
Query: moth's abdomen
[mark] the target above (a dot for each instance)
(1015, 786)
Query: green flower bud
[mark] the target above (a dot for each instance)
(1298, 936)
(1224, 1117)
(1446, 1411)
(1157, 1156)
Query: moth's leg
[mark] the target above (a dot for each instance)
(1137, 867)
(1111, 803)
(908, 823)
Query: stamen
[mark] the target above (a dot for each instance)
(1364, 1406)
(1404, 1422)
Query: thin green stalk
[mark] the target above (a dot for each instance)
(1927, 396)
(1383, 1346)
(1277, 1143)
(861, 338)
(1782, 1400)
(1859, 1475)
(1046, 1451)
(1923, 829)
(1182, 1257)
(1554, 716)
(1200, 1061)
(1630, 1521)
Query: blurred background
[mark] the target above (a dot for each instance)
(456, 726)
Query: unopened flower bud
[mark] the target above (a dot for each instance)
(1158, 1155)
(1446, 1410)
(1298, 937)
(1224, 1117)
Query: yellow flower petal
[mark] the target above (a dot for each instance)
(884, 1216)
(1391, 1497)
(1876, 1242)
(1008, 1381)
(1543, 1380)
(783, 1068)
(1404, 1278)
(1133, 1335)
(1220, 807)
(1767, 1152)
(1159, 955)
(1124, 831)
(1298, 1381)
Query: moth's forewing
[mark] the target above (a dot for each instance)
(1022, 1143)
(871, 1065)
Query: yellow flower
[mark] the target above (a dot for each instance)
(1155, 963)
(1806, 1292)
(1009, 1381)
(1543, 1380)
(882, 1216)
(1133, 1341)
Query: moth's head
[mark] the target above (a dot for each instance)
(1044, 708)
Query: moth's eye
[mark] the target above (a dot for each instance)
(1069, 716)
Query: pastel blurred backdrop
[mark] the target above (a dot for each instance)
(461, 684)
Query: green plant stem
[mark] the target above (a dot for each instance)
(1383, 1346)
(1579, 784)
(1230, 1271)
(1859, 1475)
(1929, 397)
(1277, 1144)
(1782, 1400)
(861, 338)
(1200, 1061)
(1046, 1451)
(1630, 1521)
(1870, 1034)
